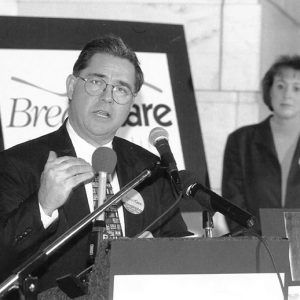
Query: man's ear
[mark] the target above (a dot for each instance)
(70, 83)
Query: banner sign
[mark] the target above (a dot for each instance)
(34, 102)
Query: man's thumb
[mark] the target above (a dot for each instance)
(52, 156)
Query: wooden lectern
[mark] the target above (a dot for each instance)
(181, 256)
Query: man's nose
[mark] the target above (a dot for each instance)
(107, 94)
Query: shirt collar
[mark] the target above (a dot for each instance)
(82, 148)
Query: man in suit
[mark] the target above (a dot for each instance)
(45, 184)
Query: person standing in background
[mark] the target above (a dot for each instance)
(261, 167)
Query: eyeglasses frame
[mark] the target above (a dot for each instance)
(106, 84)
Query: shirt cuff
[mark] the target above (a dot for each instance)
(47, 220)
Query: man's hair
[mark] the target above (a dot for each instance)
(284, 61)
(112, 45)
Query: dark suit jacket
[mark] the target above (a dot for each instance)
(20, 222)
(252, 173)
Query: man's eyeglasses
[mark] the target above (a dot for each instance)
(95, 86)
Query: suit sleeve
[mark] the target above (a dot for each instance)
(21, 227)
(232, 178)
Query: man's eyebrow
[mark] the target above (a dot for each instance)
(96, 74)
(121, 82)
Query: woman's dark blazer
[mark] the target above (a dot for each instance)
(252, 172)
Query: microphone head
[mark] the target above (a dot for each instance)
(104, 159)
(157, 134)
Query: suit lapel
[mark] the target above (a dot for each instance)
(294, 174)
(264, 139)
(126, 171)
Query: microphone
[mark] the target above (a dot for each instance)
(192, 188)
(104, 161)
(159, 138)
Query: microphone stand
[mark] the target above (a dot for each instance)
(24, 281)
(207, 223)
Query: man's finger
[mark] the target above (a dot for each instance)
(52, 156)
(78, 179)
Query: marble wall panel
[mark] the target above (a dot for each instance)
(247, 108)
(218, 115)
(8, 7)
(241, 47)
(202, 32)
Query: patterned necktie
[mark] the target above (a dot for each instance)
(111, 217)
(113, 229)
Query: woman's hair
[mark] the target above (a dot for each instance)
(112, 45)
(284, 61)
